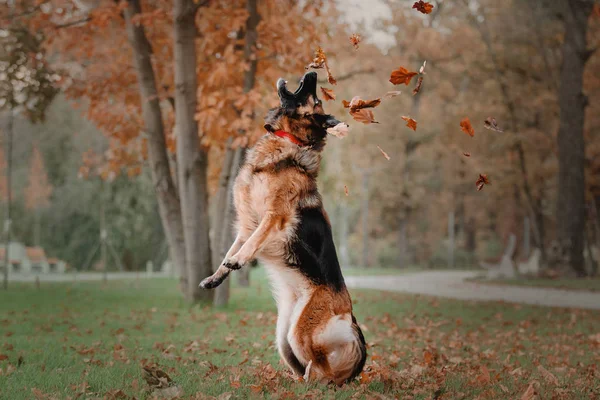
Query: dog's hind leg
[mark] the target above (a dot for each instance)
(286, 300)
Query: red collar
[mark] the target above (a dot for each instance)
(290, 137)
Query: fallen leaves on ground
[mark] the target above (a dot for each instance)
(384, 153)
(490, 123)
(411, 123)
(355, 40)
(423, 7)
(328, 94)
(156, 378)
(401, 75)
(466, 127)
(481, 181)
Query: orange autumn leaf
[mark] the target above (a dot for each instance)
(481, 181)
(484, 377)
(365, 116)
(384, 153)
(328, 94)
(401, 75)
(466, 127)
(423, 6)
(411, 123)
(319, 60)
(357, 104)
(529, 393)
(355, 40)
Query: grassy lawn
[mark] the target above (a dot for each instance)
(84, 341)
(584, 284)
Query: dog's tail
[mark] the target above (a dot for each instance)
(347, 360)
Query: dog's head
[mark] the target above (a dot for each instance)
(301, 113)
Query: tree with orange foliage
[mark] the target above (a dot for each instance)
(38, 191)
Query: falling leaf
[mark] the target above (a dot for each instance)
(357, 104)
(339, 131)
(422, 69)
(346, 190)
(418, 87)
(466, 127)
(401, 75)
(319, 61)
(423, 6)
(481, 181)
(466, 154)
(490, 123)
(330, 77)
(547, 375)
(365, 116)
(355, 40)
(156, 378)
(393, 93)
(529, 393)
(327, 94)
(384, 153)
(411, 123)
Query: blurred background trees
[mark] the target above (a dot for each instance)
(130, 94)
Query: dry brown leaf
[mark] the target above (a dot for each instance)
(490, 123)
(339, 131)
(355, 40)
(392, 93)
(411, 123)
(547, 375)
(423, 7)
(418, 87)
(503, 388)
(529, 393)
(3, 357)
(466, 127)
(365, 116)
(384, 153)
(328, 94)
(330, 77)
(481, 181)
(484, 377)
(466, 154)
(401, 75)
(173, 392)
(346, 190)
(357, 103)
(319, 61)
(155, 378)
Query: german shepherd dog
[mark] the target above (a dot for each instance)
(281, 222)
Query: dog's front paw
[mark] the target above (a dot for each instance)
(232, 264)
(212, 281)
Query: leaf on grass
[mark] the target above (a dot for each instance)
(156, 378)
(384, 153)
(346, 190)
(355, 40)
(173, 392)
(328, 94)
(481, 181)
(428, 357)
(401, 75)
(116, 394)
(503, 388)
(467, 154)
(466, 127)
(365, 116)
(393, 93)
(411, 123)
(484, 377)
(418, 87)
(256, 389)
(339, 131)
(547, 375)
(423, 7)
(529, 393)
(490, 123)
(3, 357)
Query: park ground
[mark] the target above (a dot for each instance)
(85, 340)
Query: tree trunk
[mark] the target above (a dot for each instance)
(191, 158)
(571, 156)
(168, 202)
(221, 201)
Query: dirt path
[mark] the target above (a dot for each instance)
(453, 284)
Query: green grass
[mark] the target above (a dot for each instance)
(91, 339)
(584, 284)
